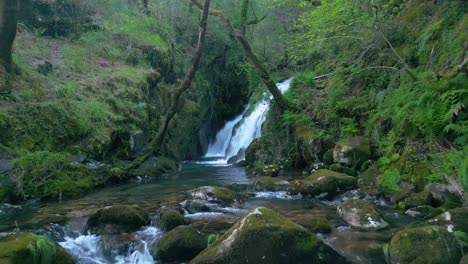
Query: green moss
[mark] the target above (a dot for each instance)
(123, 217)
(438, 245)
(421, 198)
(224, 194)
(317, 225)
(326, 182)
(354, 151)
(31, 248)
(180, 244)
(169, 219)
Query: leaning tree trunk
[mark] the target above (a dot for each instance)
(155, 144)
(9, 10)
(248, 52)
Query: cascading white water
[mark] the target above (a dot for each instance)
(240, 132)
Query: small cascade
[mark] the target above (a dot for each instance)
(236, 135)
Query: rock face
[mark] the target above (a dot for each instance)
(155, 166)
(117, 219)
(324, 184)
(271, 184)
(264, 236)
(442, 193)
(169, 219)
(210, 194)
(353, 151)
(427, 244)
(361, 214)
(181, 244)
(31, 248)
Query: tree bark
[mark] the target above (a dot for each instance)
(250, 55)
(9, 10)
(155, 144)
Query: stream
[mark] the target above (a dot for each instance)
(65, 221)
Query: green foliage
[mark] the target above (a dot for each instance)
(303, 80)
(212, 238)
(46, 174)
(389, 181)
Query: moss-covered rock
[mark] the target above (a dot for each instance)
(361, 214)
(422, 211)
(272, 184)
(427, 244)
(316, 225)
(353, 151)
(271, 170)
(324, 183)
(117, 219)
(264, 236)
(453, 220)
(443, 193)
(155, 166)
(328, 157)
(181, 244)
(221, 195)
(170, 218)
(30, 248)
(416, 199)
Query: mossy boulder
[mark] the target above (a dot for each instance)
(352, 151)
(324, 183)
(426, 244)
(423, 211)
(117, 219)
(453, 220)
(156, 166)
(361, 214)
(316, 225)
(221, 195)
(417, 199)
(170, 218)
(195, 206)
(264, 236)
(272, 184)
(443, 193)
(30, 248)
(181, 244)
(271, 170)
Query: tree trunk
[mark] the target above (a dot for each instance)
(9, 10)
(248, 52)
(155, 144)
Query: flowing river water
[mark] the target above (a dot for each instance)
(65, 221)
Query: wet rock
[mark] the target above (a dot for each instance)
(271, 184)
(155, 166)
(361, 214)
(240, 156)
(137, 141)
(220, 195)
(287, 243)
(181, 244)
(443, 193)
(31, 248)
(170, 218)
(453, 220)
(193, 206)
(316, 225)
(271, 170)
(423, 211)
(417, 199)
(117, 219)
(427, 244)
(324, 184)
(352, 152)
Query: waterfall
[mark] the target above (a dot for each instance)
(236, 135)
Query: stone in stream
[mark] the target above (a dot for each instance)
(31, 248)
(453, 220)
(117, 219)
(170, 218)
(361, 214)
(352, 152)
(271, 184)
(219, 195)
(324, 184)
(423, 211)
(426, 244)
(180, 244)
(264, 236)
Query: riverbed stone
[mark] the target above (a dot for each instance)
(423, 211)
(426, 244)
(264, 236)
(271, 184)
(417, 199)
(270, 170)
(352, 151)
(195, 206)
(220, 195)
(170, 218)
(32, 248)
(181, 244)
(324, 184)
(361, 214)
(117, 219)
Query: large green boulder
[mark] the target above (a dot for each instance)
(426, 244)
(324, 184)
(417, 199)
(30, 248)
(264, 236)
(361, 214)
(210, 194)
(453, 220)
(181, 244)
(169, 219)
(117, 219)
(352, 151)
